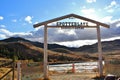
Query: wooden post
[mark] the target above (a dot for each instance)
(13, 67)
(100, 52)
(45, 53)
(19, 70)
(73, 67)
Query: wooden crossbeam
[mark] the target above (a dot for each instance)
(70, 27)
(68, 16)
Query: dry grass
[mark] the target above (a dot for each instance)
(4, 71)
(73, 76)
(44, 79)
(112, 63)
(112, 69)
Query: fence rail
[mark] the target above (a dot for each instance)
(75, 67)
(6, 64)
(6, 74)
(11, 65)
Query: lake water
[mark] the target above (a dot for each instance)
(79, 67)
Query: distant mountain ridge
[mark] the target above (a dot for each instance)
(38, 44)
(26, 50)
(106, 45)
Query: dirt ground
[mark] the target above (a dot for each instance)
(75, 76)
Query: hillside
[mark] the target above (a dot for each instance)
(25, 50)
(37, 44)
(107, 46)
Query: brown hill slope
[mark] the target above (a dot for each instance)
(107, 46)
(25, 50)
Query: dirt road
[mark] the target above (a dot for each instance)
(72, 77)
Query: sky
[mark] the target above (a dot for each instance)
(17, 18)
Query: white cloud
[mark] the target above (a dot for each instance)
(112, 4)
(28, 19)
(111, 39)
(84, 7)
(36, 22)
(41, 27)
(7, 34)
(2, 36)
(66, 31)
(14, 20)
(1, 18)
(90, 1)
(107, 19)
(71, 32)
(74, 3)
(87, 11)
(118, 25)
(5, 31)
(110, 8)
(60, 35)
(90, 13)
(115, 23)
(79, 39)
(2, 26)
(79, 43)
(116, 20)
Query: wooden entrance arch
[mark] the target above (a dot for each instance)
(85, 24)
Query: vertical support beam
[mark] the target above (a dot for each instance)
(13, 74)
(45, 53)
(18, 70)
(100, 51)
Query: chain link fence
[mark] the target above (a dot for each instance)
(112, 67)
(85, 70)
(31, 70)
